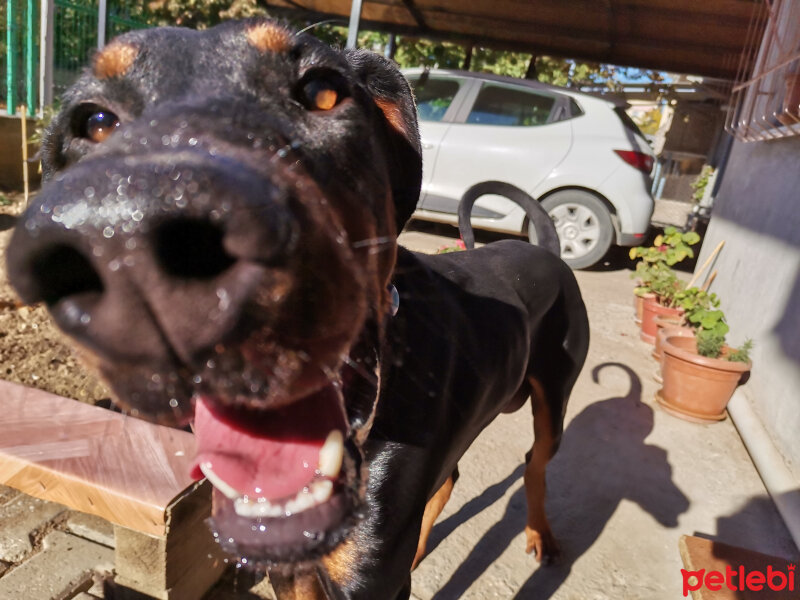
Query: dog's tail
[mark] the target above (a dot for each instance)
(546, 235)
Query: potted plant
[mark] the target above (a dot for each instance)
(641, 294)
(695, 302)
(701, 373)
(666, 286)
(458, 246)
(669, 325)
(645, 272)
(656, 277)
(700, 184)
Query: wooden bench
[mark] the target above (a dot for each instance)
(130, 472)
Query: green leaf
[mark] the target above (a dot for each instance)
(710, 319)
(691, 237)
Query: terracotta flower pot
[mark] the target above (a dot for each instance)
(666, 327)
(653, 309)
(638, 305)
(696, 388)
(669, 325)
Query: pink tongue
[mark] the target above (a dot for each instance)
(277, 462)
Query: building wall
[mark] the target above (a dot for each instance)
(757, 213)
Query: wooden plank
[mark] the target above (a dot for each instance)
(372, 11)
(595, 20)
(183, 564)
(711, 9)
(653, 38)
(91, 459)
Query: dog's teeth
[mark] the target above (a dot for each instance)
(322, 490)
(303, 501)
(317, 493)
(218, 483)
(330, 463)
(331, 454)
(254, 509)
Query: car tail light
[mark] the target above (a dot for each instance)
(638, 160)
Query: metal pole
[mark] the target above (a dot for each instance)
(531, 72)
(468, 58)
(352, 28)
(391, 47)
(46, 55)
(24, 129)
(30, 56)
(11, 56)
(102, 9)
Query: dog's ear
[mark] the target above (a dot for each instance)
(393, 96)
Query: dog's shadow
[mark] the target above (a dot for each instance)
(603, 459)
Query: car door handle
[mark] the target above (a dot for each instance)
(427, 145)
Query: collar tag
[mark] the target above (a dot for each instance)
(395, 300)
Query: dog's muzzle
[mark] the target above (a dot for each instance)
(194, 282)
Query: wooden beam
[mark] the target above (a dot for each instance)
(415, 12)
(741, 9)
(685, 36)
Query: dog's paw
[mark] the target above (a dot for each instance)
(543, 544)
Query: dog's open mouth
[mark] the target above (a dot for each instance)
(285, 480)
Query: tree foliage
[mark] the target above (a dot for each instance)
(419, 52)
(410, 52)
(649, 122)
(199, 14)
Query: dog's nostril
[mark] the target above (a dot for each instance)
(191, 249)
(61, 271)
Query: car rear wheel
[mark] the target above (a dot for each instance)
(583, 224)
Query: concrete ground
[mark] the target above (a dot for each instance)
(671, 212)
(628, 481)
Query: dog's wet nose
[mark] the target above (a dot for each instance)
(191, 248)
(125, 257)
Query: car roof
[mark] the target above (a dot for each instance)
(529, 83)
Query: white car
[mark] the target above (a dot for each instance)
(580, 155)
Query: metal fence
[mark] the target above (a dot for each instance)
(75, 30)
(76, 33)
(19, 62)
(74, 39)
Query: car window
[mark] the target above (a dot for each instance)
(434, 96)
(575, 108)
(500, 105)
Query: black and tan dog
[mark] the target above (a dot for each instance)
(218, 234)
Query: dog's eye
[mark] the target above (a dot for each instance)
(100, 125)
(321, 94)
(97, 124)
